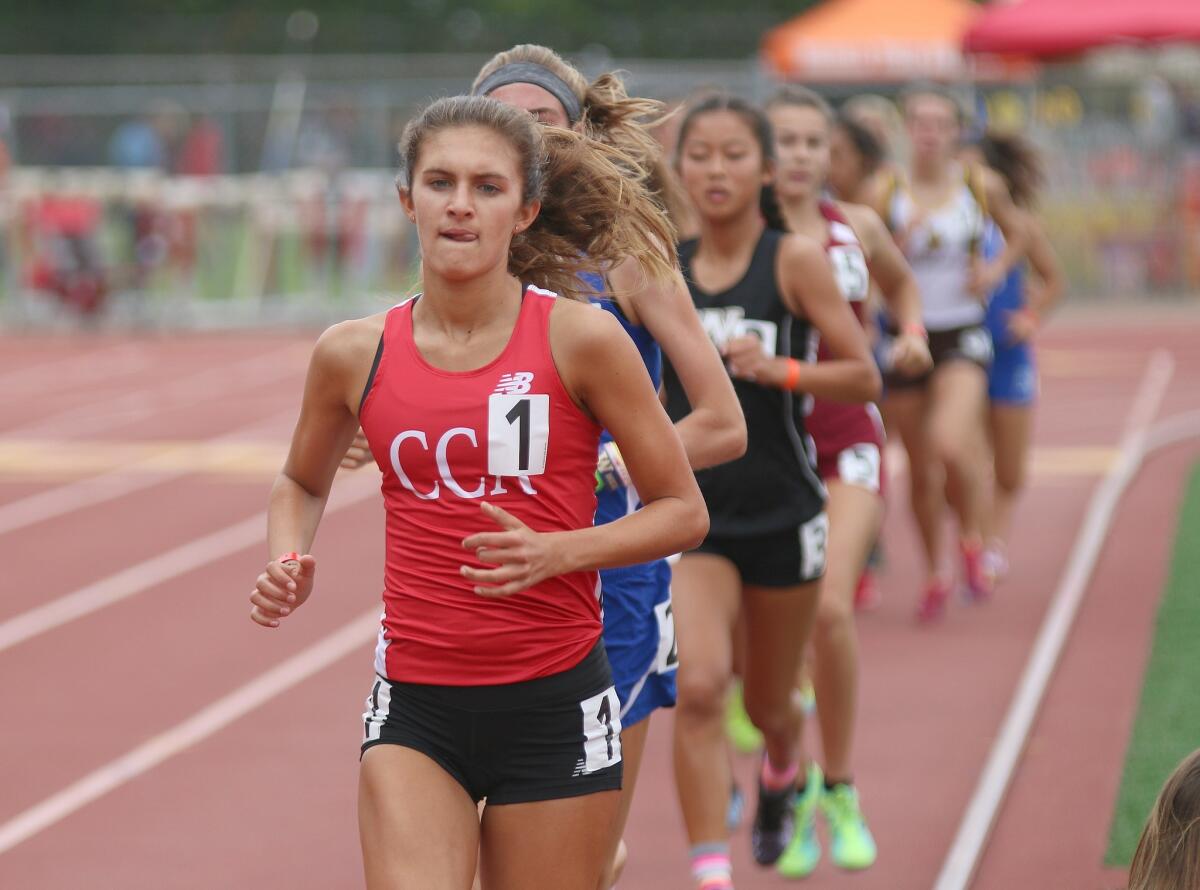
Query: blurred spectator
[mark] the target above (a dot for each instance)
(203, 150)
(146, 142)
(326, 141)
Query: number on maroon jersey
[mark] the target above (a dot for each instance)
(850, 271)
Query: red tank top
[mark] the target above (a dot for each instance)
(445, 440)
(836, 426)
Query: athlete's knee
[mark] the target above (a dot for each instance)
(773, 716)
(1010, 479)
(953, 452)
(835, 612)
(701, 691)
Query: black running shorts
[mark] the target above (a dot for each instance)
(543, 739)
(776, 559)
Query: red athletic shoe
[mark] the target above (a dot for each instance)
(980, 581)
(867, 595)
(933, 603)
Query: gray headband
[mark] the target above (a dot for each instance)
(538, 75)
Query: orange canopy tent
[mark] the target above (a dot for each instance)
(872, 40)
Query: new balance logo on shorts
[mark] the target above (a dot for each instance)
(515, 384)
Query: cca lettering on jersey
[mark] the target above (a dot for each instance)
(516, 441)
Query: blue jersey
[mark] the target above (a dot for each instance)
(639, 627)
(615, 504)
(1012, 379)
(1010, 295)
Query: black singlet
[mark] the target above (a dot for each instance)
(775, 485)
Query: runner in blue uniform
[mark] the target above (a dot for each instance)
(639, 630)
(1014, 315)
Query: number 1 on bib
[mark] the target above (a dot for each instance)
(518, 434)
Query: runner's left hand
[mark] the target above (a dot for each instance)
(747, 360)
(521, 556)
(358, 454)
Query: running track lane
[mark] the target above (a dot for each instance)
(212, 816)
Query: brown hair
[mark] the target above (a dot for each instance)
(928, 88)
(1168, 854)
(864, 141)
(801, 97)
(593, 213)
(609, 115)
(1017, 162)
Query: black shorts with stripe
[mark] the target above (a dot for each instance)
(786, 558)
(543, 739)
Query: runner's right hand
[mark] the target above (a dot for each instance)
(281, 589)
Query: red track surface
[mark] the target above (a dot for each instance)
(268, 801)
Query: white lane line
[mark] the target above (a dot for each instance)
(114, 483)
(959, 865)
(93, 365)
(206, 384)
(164, 567)
(190, 732)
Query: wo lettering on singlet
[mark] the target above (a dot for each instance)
(517, 439)
(726, 323)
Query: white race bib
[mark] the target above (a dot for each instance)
(518, 434)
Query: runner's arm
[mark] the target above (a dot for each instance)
(1045, 264)
(324, 430)
(714, 431)
(808, 287)
(890, 270)
(601, 369)
(986, 277)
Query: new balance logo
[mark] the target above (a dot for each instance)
(515, 384)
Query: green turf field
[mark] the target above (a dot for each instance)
(1168, 720)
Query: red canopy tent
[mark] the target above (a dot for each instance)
(1049, 28)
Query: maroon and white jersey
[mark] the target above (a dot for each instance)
(446, 440)
(837, 426)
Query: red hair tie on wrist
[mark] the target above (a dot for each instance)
(793, 375)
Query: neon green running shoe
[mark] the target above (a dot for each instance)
(850, 843)
(743, 734)
(804, 850)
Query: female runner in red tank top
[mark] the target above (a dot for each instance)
(482, 400)
(849, 440)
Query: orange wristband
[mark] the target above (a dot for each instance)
(793, 375)
(288, 557)
(916, 329)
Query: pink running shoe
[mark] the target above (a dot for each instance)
(867, 595)
(980, 581)
(933, 603)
